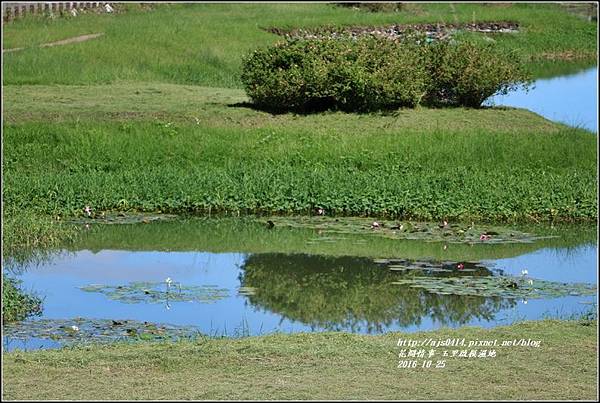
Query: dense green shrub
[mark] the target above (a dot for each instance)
(466, 73)
(373, 73)
(350, 75)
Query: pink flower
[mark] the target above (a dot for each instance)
(375, 224)
(485, 237)
(88, 210)
(460, 266)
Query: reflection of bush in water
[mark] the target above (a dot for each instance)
(352, 293)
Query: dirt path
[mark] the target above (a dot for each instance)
(80, 38)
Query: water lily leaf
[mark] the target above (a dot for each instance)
(147, 292)
(498, 286)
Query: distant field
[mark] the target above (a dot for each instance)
(202, 44)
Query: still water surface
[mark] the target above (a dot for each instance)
(571, 99)
(295, 291)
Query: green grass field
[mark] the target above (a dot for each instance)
(315, 366)
(151, 117)
(202, 44)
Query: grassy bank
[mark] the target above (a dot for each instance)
(138, 132)
(202, 44)
(58, 168)
(315, 366)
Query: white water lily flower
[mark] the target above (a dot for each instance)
(524, 272)
(530, 282)
(525, 301)
(75, 328)
(168, 281)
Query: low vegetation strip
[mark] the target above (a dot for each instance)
(317, 366)
(60, 168)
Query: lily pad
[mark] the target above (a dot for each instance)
(148, 292)
(435, 267)
(246, 291)
(425, 231)
(80, 330)
(498, 286)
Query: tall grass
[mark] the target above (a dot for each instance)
(202, 44)
(60, 168)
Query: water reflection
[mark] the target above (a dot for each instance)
(570, 99)
(298, 285)
(353, 294)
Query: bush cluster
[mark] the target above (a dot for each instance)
(374, 73)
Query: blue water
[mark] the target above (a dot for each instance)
(59, 281)
(570, 99)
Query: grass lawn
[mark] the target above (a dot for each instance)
(316, 366)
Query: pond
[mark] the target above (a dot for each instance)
(571, 99)
(236, 277)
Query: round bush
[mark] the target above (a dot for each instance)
(375, 73)
(351, 75)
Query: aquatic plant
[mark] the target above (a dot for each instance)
(84, 330)
(497, 286)
(426, 231)
(158, 292)
(112, 217)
